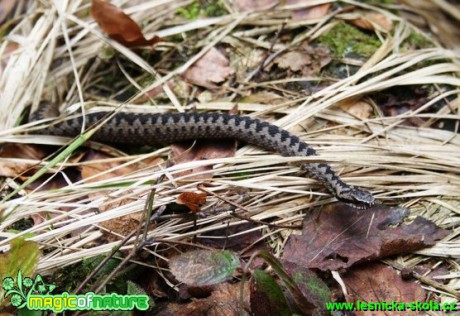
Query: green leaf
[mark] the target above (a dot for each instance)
(23, 256)
(204, 267)
(267, 285)
(134, 289)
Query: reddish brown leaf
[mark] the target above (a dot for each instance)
(210, 69)
(201, 150)
(192, 200)
(118, 25)
(340, 236)
(377, 282)
(310, 13)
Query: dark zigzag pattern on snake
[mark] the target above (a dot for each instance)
(166, 128)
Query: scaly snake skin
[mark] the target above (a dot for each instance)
(166, 128)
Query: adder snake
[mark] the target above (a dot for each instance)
(167, 128)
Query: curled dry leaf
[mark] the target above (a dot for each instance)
(310, 13)
(118, 25)
(340, 236)
(210, 69)
(192, 200)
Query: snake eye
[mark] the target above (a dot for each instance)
(362, 196)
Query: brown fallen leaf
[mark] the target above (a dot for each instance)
(307, 60)
(293, 60)
(118, 25)
(210, 69)
(201, 150)
(357, 108)
(223, 301)
(13, 168)
(310, 13)
(372, 21)
(377, 282)
(192, 200)
(340, 236)
(252, 5)
(92, 173)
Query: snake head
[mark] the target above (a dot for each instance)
(357, 197)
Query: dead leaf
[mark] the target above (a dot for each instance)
(357, 108)
(379, 283)
(264, 97)
(307, 60)
(201, 150)
(373, 21)
(340, 236)
(192, 200)
(92, 173)
(310, 13)
(6, 6)
(118, 25)
(253, 5)
(210, 69)
(293, 60)
(224, 301)
(12, 167)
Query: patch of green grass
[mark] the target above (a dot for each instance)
(346, 40)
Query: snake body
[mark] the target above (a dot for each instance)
(166, 128)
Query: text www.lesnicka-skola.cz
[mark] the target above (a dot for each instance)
(390, 306)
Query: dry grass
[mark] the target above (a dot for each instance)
(57, 58)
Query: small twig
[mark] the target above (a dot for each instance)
(270, 56)
(246, 218)
(426, 280)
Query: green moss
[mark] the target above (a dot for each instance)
(418, 41)
(191, 11)
(209, 8)
(346, 40)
